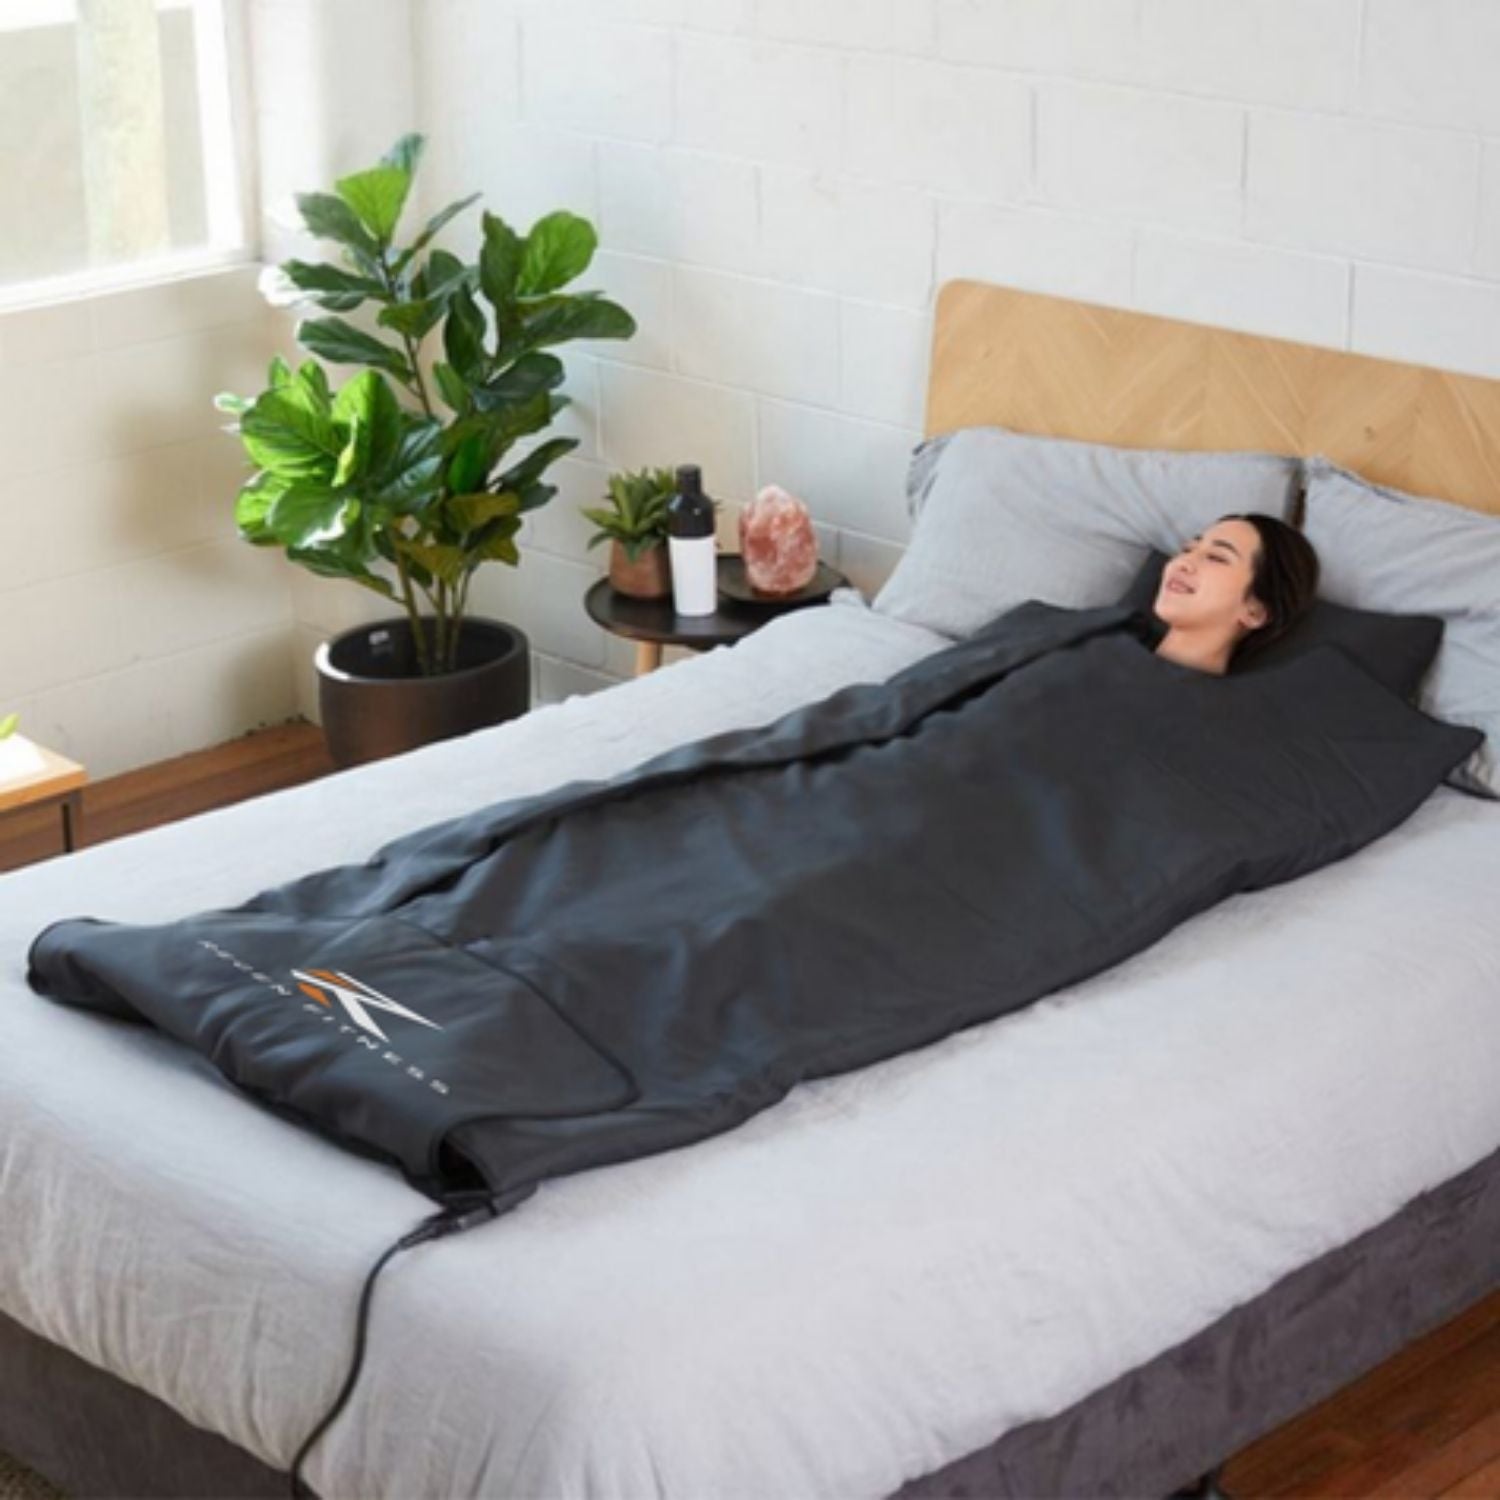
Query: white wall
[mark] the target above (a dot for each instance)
(134, 624)
(782, 184)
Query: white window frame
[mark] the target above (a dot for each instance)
(226, 122)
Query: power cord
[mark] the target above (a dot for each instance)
(439, 1226)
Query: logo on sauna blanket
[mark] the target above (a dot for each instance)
(357, 998)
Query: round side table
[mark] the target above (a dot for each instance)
(653, 624)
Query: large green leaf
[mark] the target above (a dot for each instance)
(556, 320)
(463, 336)
(415, 320)
(330, 218)
(531, 468)
(431, 230)
(289, 434)
(499, 548)
(454, 388)
(469, 464)
(467, 513)
(377, 196)
(558, 248)
(312, 380)
(432, 289)
(251, 506)
(500, 262)
(500, 429)
(534, 496)
(368, 401)
(341, 560)
(415, 478)
(342, 343)
(445, 562)
(522, 382)
(354, 460)
(310, 516)
(445, 273)
(330, 287)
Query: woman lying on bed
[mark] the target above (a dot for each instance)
(615, 968)
(1242, 584)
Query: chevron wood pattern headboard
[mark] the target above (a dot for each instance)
(1070, 369)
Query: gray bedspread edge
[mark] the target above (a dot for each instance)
(1147, 1433)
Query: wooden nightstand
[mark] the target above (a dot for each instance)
(653, 623)
(39, 778)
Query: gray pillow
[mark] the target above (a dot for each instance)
(1002, 517)
(1405, 554)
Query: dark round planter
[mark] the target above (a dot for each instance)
(376, 703)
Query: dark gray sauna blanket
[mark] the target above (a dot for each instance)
(613, 969)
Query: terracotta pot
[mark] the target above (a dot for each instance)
(375, 702)
(648, 577)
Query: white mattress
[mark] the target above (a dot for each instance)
(881, 1274)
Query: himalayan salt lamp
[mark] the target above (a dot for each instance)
(777, 543)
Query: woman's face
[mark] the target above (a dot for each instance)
(1206, 587)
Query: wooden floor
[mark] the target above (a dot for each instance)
(1425, 1424)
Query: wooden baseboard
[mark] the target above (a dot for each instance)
(169, 790)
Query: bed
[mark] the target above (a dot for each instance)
(953, 1273)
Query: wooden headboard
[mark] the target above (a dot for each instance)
(1070, 369)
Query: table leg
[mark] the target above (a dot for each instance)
(72, 821)
(647, 657)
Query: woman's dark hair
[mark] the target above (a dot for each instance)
(1285, 580)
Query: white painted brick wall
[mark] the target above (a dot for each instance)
(848, 235)
(1487, 250)
(601, 78)
(1158, 158)
(1078, 38)
(1276, 292)
(782, 186)
(680, 205)
(937, 126)
(908, 26)
(1069, 255)
(1301, 53)
(1432, 61)
(758, 100)
(756, 335)
(1361, 189)
(138, 626)
(1446, 321)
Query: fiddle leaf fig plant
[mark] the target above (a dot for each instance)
(403, 479)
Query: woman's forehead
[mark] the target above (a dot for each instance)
(1240, 535)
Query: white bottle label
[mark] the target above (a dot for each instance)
(694, 583)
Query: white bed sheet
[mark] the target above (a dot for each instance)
(883, 1273)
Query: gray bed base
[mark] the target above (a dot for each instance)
(1146, 1434)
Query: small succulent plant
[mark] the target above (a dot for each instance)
(636, 515)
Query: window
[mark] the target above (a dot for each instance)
(116, 141)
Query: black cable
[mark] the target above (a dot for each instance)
(449, 1221)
